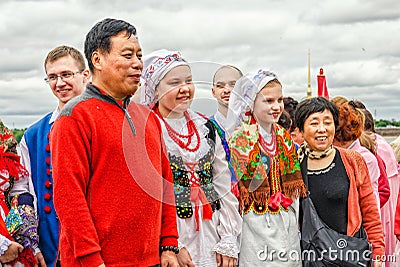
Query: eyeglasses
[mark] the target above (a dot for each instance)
(65, 76)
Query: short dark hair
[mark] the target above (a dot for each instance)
(98, 38)
(290, 105)
(63, 51)
(313, 105)
(369, 121)
(357, 104)
(285, 121)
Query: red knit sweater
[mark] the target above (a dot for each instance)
(113, 188)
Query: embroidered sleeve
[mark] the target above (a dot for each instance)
(22, 219)
(26, 234)
(227, 247)
(4, 244)
(22, 222)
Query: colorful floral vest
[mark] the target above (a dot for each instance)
(266, 184)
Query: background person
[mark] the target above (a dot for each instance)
(285, 121)
(347, 136)
(223, 82)
(67, 76)
(386, 153)
(290, 105)
(368, 141)
(396, 148)
(18, 220)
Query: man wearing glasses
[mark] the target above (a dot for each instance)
(67, 77)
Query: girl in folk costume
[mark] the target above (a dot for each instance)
(270, 183)
(18, 223)
(207, 212)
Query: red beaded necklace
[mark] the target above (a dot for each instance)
(269, 148)
(176, 137)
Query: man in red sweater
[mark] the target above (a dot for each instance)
(113, 189)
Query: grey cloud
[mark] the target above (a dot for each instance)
(354, 11)
(355, 42)
(25, 97)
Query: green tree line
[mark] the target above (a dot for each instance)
(386, 123)
(18, 133)
(378, 123)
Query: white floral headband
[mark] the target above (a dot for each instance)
(243, 95)
(156, 66)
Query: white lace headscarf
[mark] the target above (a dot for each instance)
(243, 96)
(155, 66)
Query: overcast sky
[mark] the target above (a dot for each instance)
(356, 42)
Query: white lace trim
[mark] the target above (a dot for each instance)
(179, 125)
(226, 249)
(319, 172)
(5, 243)
(267, 136)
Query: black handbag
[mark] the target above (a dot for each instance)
(322, 246)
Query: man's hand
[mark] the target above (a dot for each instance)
(225, 261)
(168, 259)
(103, 265)
(12, 252)
(184, 258)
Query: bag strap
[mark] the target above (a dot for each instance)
(361, 233)
(303, 168)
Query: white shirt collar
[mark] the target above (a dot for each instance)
(267, 136)
(54, 116)
(220, 119)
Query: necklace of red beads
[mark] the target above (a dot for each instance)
(269, 148)
(177, 137)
